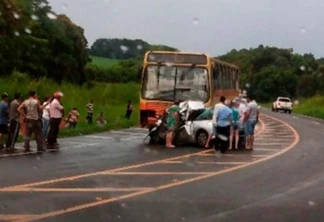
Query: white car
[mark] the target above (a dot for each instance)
(195, 125)
(282, 103)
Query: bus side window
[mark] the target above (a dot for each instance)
(216, 76)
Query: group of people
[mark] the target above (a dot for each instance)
(32, 118)
(229, 117)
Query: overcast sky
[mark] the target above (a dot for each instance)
(210, 26)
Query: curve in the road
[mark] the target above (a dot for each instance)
(274, 138)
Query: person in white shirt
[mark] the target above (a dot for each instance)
(214, 120)
(56, 114)
(242, 111)
(251, 119)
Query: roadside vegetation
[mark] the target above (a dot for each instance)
(310, 106)
(111, 99)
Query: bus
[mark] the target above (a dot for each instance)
(168, 76)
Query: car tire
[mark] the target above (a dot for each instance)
(289, 111)
(201, 138)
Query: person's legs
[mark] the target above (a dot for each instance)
(53, 132)
(217, 139)
(253, 123)
(11, 132)
(3, 131)
(223, 137)
(37, 130)
(29, 131)
(168, 143)
(45, 128)
(248, 128)
(237, 137)
(231, 137)
(210, 136)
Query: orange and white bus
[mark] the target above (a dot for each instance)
(178, 76)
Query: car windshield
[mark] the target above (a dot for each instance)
(175, 83)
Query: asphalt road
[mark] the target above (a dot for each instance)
(115, 177)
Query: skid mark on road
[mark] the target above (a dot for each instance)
(205, 163)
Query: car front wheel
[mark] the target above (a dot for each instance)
(201, 138)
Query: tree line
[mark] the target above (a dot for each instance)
(130, 52)
(36, 41)
(268, 72)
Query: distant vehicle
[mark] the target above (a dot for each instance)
(282, 103)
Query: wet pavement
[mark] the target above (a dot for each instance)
(113, 176)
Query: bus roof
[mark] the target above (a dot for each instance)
(208, 57)
(177, 52)
(225, 63)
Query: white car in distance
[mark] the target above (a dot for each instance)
(283, 104)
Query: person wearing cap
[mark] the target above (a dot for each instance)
(30, 110)
(14, 125)
(4, 117)
(56, 114)
(172, 118)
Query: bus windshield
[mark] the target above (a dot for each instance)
(175, 83)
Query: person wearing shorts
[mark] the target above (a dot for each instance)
(252, 116)
(235, 126)
(171, 123)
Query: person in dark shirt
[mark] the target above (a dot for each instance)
(14, 126)
(129, 110)
(4, 117)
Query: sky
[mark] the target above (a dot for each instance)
(209, 26)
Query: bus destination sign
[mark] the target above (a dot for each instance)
(177, 58)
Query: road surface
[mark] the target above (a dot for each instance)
(113, 176)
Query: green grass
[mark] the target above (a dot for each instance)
(103, 63)
(311, 107)
(111, 99)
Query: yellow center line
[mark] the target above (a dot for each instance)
(237, 154)
(104, 189)
(265, 149)
(220, 163)
(156, 173)
(10, 217)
